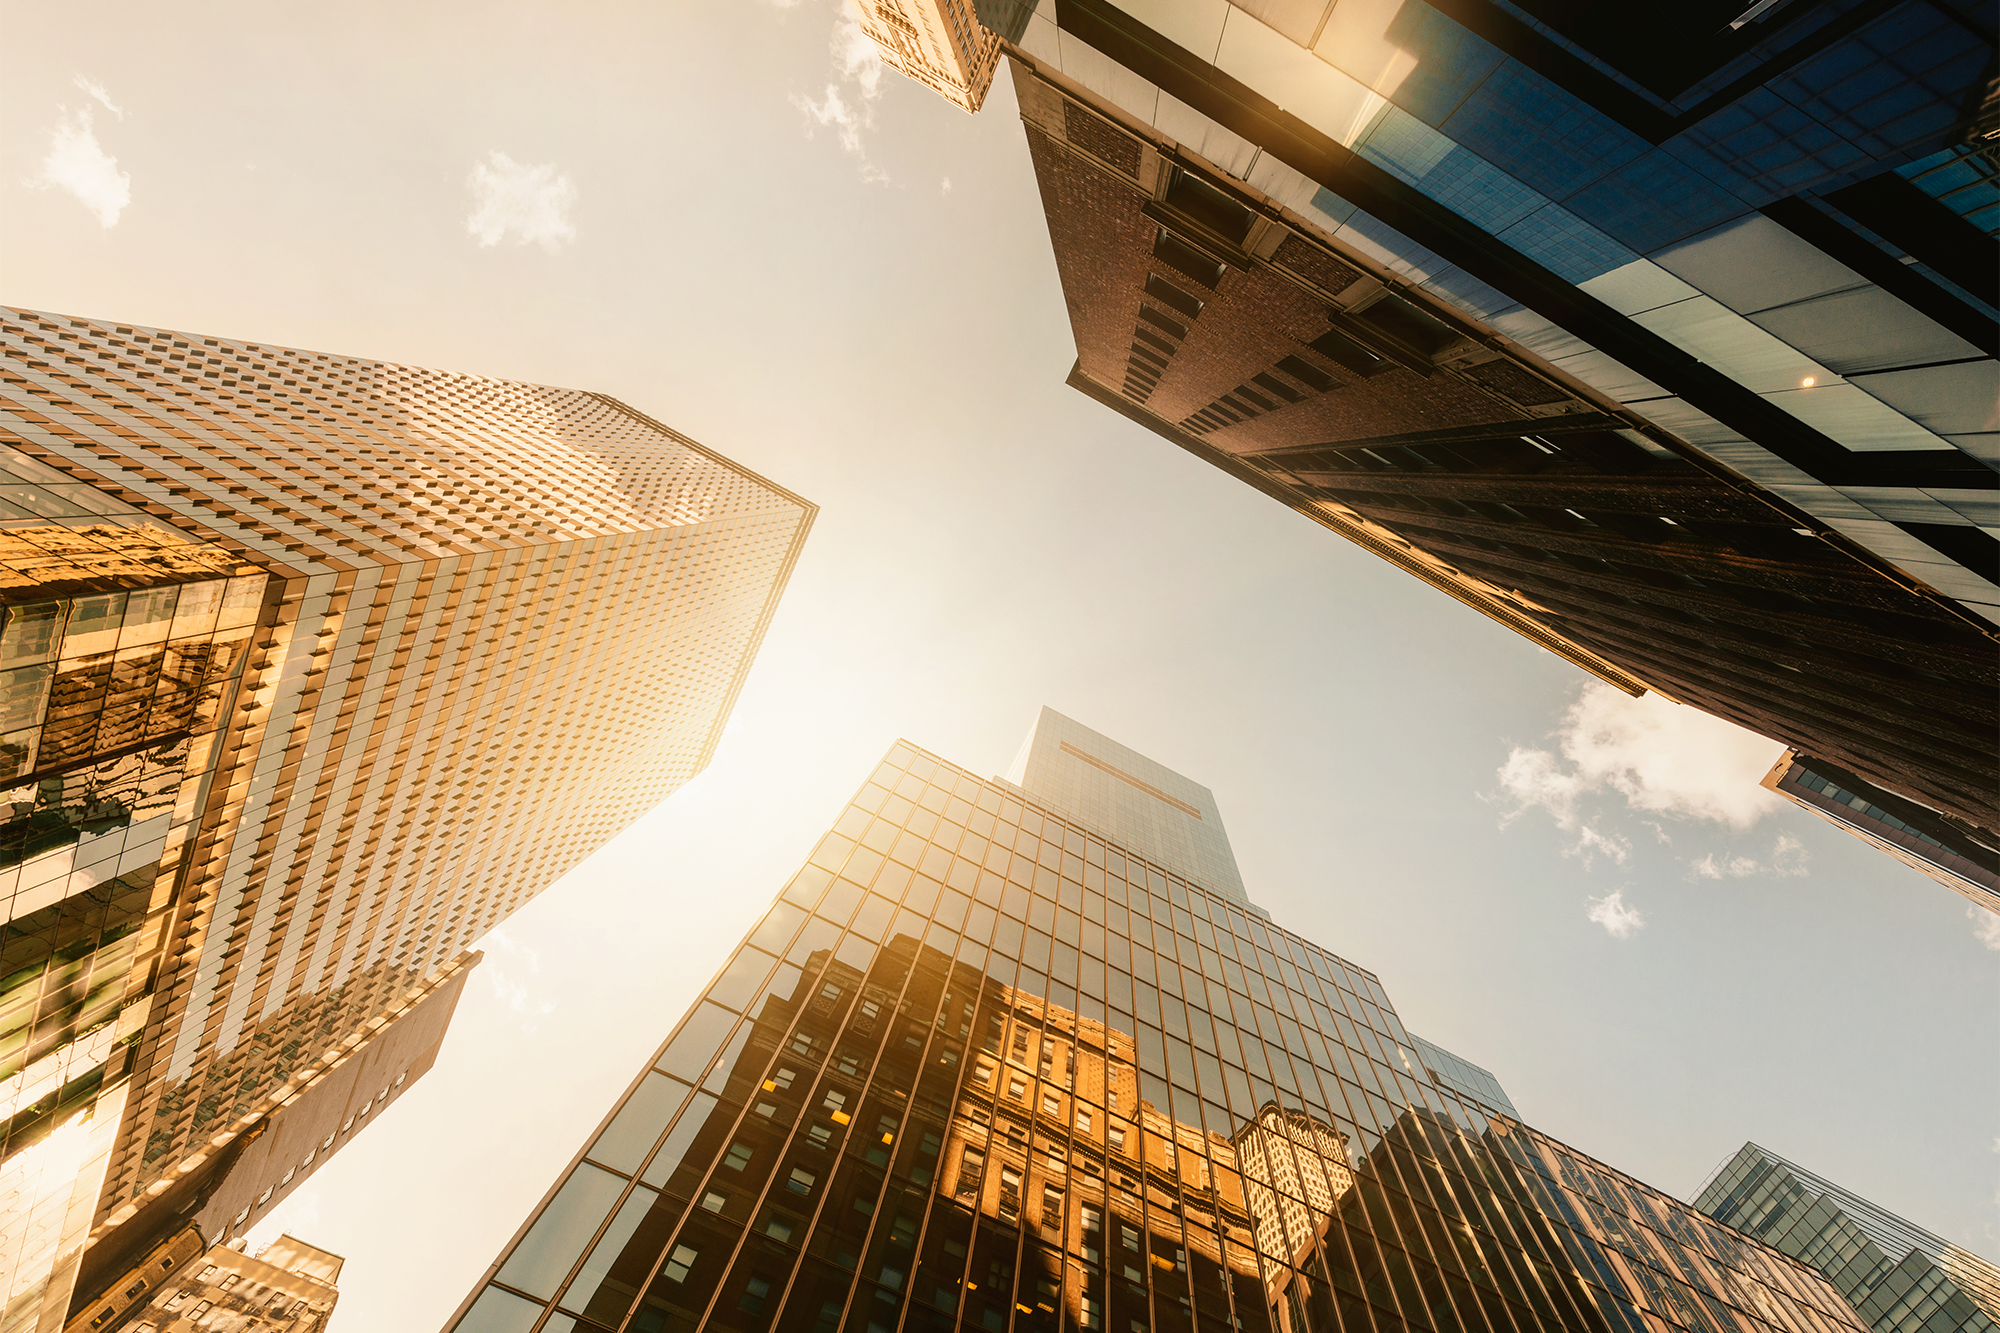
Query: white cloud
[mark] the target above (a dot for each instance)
(1789, 859)
(850, 111)
(96, 90)
(1663, 758)
(510, 969)
(1620, 920)
(947, 186)
(77, 163)
(531, 203)
(1590, 843)
(1986, 929)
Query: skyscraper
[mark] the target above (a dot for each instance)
(1899, 1277)
(1680, 366)
(317, 668)
(983, 1065)
(1964, 859)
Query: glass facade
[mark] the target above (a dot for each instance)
(1899, 1277)
(982, 1067)
(1461, 1076)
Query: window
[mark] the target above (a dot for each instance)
(1188, 260)
(779, 1081)
(1050, 1106)
(1210, 207)
(1342, 350)
(835, 1099)
(969, 1167)
(767, 1109)
(201, 1309)
(754, 1292)
(819, 1135)
(1083, 1120)
(230, 1282)
(1020, 1043)
(777, 1230)
(737, 1157)
(870, 1009)
(679, 1263)
(801, 1181)
(829, 992)
(713, 1201)
(1017, 1087)
(1117, 1137)
(1173, 327)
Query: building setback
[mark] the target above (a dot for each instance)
(983, 1066)
(1681, 367)
(444, 636)
(1899, 1277)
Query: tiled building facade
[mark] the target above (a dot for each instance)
(492, 623)
(1899, 1277)
(980, 1066)
(1682, 367)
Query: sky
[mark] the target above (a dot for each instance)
(722, 214)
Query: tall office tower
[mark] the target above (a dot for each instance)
(317, 667)
(984, 1066)
(1899, 1277)
(1965, 859)
(1675, 357)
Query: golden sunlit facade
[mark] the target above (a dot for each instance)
(469, 629)
(939, 43)
(982, 1068)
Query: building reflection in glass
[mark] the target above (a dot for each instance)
(979, 1069)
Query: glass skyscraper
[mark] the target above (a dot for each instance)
(1899, 1277)
(984, 1066)
(1675, 357)
(313, 669)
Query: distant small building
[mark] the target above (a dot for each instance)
(289, 1286)
(1918, 836)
